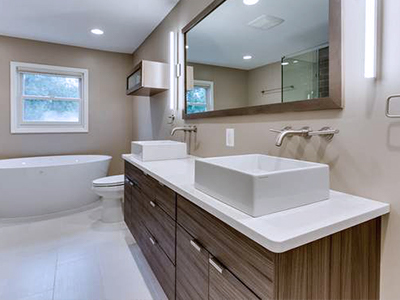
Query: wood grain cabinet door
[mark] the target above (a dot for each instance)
(191, 268)
(223, 285)
(128, 217)
(132, 208)
(160, 225)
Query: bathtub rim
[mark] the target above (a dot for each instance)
(98, 157)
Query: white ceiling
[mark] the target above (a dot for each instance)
(126, 23)
(224, 37)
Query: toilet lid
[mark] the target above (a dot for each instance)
(109, 181)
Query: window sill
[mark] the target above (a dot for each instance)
(49, 130)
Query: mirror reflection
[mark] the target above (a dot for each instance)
(247, 55)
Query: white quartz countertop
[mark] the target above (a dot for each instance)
(278, 232)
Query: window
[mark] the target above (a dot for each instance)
(201, 97)
(48, 99)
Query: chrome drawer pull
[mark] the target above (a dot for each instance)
(153, 241)
(216, 265)
(195, 245)
(152, 204)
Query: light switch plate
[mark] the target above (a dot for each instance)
(230, 137)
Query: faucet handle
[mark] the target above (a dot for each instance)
(280, 131)
(326, 132)
(275, 130)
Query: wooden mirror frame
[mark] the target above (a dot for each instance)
(334, 101)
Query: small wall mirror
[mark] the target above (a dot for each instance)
(269, 56)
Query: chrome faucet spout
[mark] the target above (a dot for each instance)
(184, 129)
(288, 132)
(177, 129)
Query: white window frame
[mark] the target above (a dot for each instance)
(209, 85)
(17, 123)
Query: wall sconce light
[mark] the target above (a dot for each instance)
(371, 32)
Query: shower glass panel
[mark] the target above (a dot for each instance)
(305, 75)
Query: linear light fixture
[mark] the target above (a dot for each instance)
(172, 70)
(371, 32)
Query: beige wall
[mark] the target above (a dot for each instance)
(364, 158)
(110, 110)
(230, 85)
(265, 78)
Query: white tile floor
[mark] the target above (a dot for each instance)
(75, 257)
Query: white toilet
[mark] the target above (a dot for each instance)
(111, 189)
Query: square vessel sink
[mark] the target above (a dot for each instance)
(259, 184)
(159, 150)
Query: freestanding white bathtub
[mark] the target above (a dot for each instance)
(38, 186)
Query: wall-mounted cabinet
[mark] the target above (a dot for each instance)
(148, 78)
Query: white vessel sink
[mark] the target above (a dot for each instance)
(259, 184)
(159, 150)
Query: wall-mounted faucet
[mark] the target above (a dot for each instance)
(305, 132)
(184, 129)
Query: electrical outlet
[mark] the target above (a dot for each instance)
(230, 137)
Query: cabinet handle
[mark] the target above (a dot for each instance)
(152, 240)
(195, 245)
(129, 182)
(152, 204)
(160, 183)
(216, 265)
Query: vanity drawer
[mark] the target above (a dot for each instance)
(132, 208)
(160, 225)
(224, 285)
(143, 181)
(162, 267)
(132, 172)
(191, 268)
(248, 261)
(162, 195)
(166, 199)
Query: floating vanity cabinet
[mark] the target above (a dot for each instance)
(195, 255)
(153, 228)
(148, 78)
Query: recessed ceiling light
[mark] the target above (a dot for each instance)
(285, 63)
(250, 2)
(295, 61)
(247, 57)
(97, 31)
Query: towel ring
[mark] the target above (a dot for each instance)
(387, 113)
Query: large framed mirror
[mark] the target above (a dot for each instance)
(248, 57)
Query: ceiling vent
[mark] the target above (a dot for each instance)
(265, 22)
